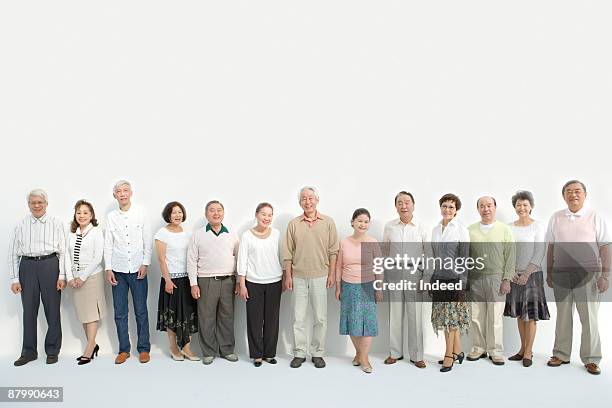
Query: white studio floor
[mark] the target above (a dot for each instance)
(163, 382)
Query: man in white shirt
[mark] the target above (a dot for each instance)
(127, 254)
(405, 236)
(36, 263)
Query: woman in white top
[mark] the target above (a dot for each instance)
(176, 309)
(260, 284)
(83, 264)
(449, 310)
(526, 300)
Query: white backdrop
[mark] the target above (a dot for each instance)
(248, 101)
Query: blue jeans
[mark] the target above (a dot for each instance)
(139, 288)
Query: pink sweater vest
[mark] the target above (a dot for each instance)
(575, 241)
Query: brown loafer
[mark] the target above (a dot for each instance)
(121, 357)
(516, 357)
(592, 368)
(391, 360)
(144, 357)
(419, 364)
(556, 362)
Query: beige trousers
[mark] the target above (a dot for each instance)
(487, 330)
(586, 299)
(406, 318)
(313, 292)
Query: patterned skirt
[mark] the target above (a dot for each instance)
(448, 316)
(178, 311)
(528, 302)
(358, 310)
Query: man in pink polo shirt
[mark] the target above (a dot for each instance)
(578, 268)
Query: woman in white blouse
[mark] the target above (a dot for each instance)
(260, 284)
(83, 265)
(526, 300)
(176, 309)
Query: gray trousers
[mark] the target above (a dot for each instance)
(38, 281)
(216, 316)
(406, 317)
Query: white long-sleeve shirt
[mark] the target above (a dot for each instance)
(127, 240)
(37, 237)
(258, 258)
(90, 253)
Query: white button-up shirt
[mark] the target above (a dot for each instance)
(128, 241)
(402, 238)
(37, 237)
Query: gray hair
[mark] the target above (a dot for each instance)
(523, 195)
(38, 192)
(311, 188)
(121, 183)
(573, 182)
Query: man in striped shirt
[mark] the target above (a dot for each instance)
(36, 263)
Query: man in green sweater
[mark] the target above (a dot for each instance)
(493, 243)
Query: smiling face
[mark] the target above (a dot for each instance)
(38, 206)
(123, 195)
(308, 201)
(264, 217)
(176, 216)
(404, 206)
(522, 208)
(448, 209)
(214, 214)
(361, 224)
(486, 209)
(83, 216)
(574, 195)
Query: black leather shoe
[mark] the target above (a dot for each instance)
(257, 363)
(318, 362)
(297, 362)
(270, 360)
(23, 360)
(51, 359)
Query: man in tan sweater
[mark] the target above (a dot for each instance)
(309, 253)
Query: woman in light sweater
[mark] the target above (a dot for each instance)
(83, 264)
(260, 275)
(355, 288)
(526, 300)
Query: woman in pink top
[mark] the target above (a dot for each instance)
(355, 289)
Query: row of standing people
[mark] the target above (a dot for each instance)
(198, 281)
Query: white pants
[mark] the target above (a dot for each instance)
(311, 291)
(406, 313)
(487, 330)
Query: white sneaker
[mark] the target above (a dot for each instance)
(231, 357)
(207, 360)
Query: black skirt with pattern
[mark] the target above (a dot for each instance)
(177, 311)
(528, 302)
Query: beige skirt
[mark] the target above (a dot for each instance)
(89, 299)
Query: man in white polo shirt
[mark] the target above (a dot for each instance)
(211, 266)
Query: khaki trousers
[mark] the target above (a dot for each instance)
(586, 298)
(406, 315)
(487, 330)
(313, 292)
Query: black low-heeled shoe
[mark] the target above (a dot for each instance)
(257, 363)
(270, 360)
(86, 360)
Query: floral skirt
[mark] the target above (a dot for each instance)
(528, 302)
(358, 310)
(450, 316)
(177, 311)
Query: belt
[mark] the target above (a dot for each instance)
(221, 277)
(39, 258)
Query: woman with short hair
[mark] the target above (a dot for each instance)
(527, 300)
(176, 310)
(449, 310)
